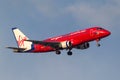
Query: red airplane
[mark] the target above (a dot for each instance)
(78, 39)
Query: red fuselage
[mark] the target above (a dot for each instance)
(76, 38)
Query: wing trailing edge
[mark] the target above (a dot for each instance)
(55, 45)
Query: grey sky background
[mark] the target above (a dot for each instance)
(40, 19)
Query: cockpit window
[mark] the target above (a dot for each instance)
(100, 29)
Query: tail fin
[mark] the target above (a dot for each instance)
(21, 39)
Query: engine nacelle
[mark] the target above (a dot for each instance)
(65, 44)
(83, 46)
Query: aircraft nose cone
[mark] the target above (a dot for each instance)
(105, 33)
(108, 33)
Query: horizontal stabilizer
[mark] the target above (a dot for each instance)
(15, 49)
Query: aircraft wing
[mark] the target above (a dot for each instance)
(55, 45)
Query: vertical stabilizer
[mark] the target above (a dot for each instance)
(21, 39)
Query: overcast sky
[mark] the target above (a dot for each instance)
(40, 19)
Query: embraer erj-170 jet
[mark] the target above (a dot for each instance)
(78, 39)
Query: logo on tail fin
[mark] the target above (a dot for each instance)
(21, 41)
